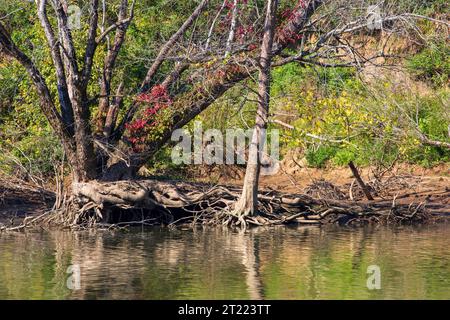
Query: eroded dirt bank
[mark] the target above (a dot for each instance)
(19, 200)
(407, 184)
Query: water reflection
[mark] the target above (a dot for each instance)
(277, 263)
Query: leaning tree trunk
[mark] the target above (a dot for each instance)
(248, 202)
(360, 181)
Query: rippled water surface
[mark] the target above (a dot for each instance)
(279, 263)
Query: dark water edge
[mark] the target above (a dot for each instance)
(273, 263)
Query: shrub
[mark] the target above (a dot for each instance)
(318, 157)
(344, 156)
(432, 64)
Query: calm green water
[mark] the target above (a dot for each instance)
(280, 263)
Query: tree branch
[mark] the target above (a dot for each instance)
(111, 28)
(8, 47)
(170, 43)
(63, 93)
(91, 44)
(230, 39)
(66, 40)
(110, 61)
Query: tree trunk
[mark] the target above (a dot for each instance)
(360, 181)
(248, 202)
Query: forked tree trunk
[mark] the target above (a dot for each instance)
(248, 202)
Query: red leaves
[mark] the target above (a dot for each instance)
(227, 72)
(243, 32)
(221, 73)
(158, 98)
(157, 93)
(288, 14)
(137, 124)
(252, 46)
(229, 4)
(285, 35)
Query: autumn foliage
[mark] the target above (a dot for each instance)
(155, 100)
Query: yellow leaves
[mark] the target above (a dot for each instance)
(336, 115)
(348, 112)
(402, 149)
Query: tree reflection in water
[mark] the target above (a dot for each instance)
(275, 263)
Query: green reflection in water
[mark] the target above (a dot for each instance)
(277, 263)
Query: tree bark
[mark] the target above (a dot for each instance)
(360, 181)
(232, 28)
(248, 202)
(110, 61)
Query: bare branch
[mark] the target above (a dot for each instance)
(111, 28)
(232, 28)
(211, 29)
(113, 111)
(67, 41)
(170, 43)
(91, 43)
(110, 61)
(63, 93)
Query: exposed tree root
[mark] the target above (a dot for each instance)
(150, 202)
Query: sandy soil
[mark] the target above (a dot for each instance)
(408, 184)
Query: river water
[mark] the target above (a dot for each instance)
(275, 263)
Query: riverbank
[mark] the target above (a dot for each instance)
(20, 200)
(428, 189)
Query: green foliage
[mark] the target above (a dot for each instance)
(162, 165)
(317, 158)
(326, 80)
(343, 156)
(350, 120)
(425, 7)
(432, 64)
(26, 140)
